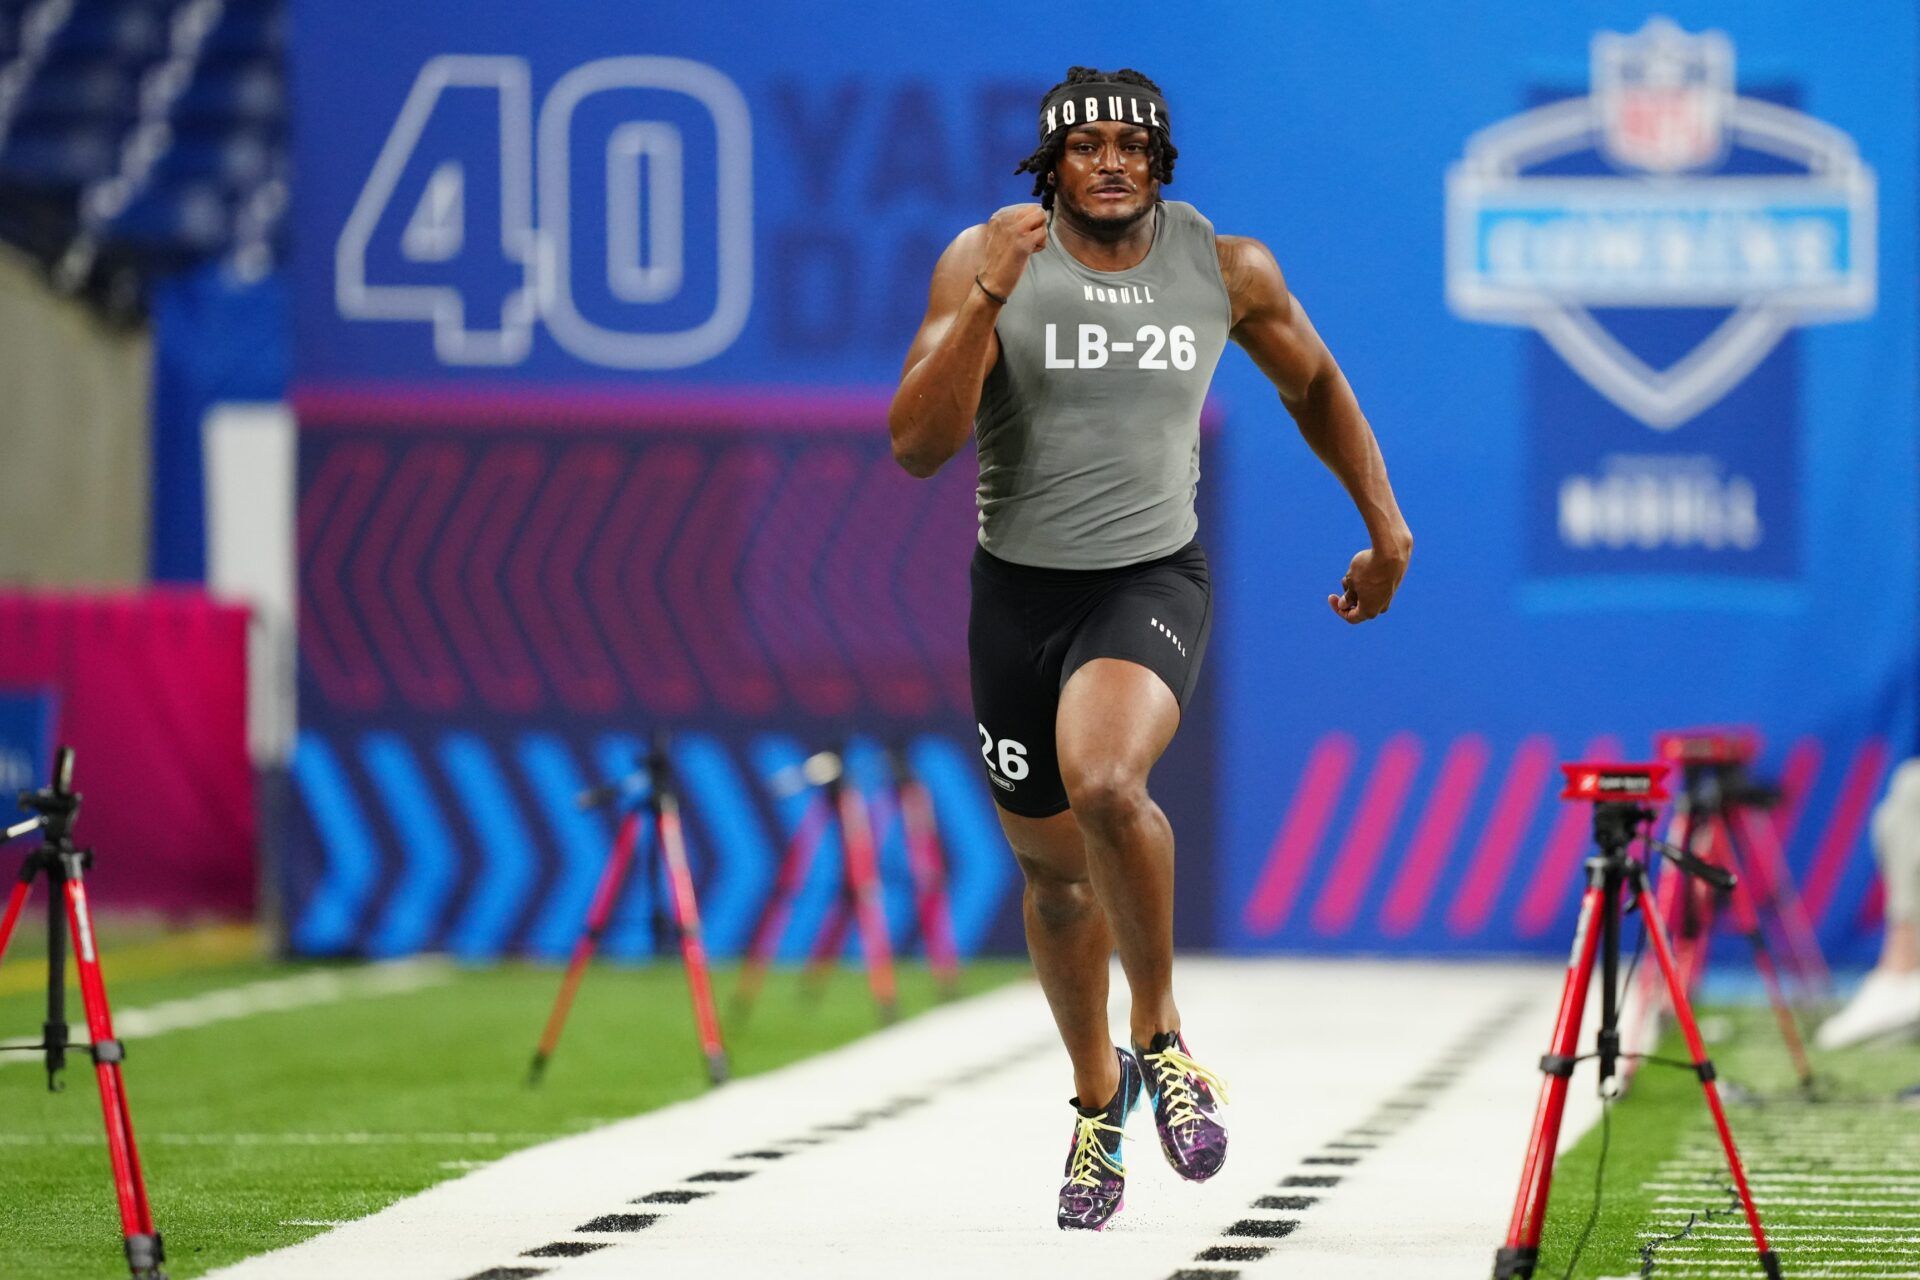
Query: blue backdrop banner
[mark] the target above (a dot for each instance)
(596, 321)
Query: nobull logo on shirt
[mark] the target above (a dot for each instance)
(1664, 236)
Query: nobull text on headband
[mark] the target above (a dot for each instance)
(1090, 103)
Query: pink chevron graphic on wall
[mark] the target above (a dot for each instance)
(669, 574)
(1296, 844)
(1405, 904)
(1382, 837)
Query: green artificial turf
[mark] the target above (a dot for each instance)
(313, 1115)
(1847, 1141)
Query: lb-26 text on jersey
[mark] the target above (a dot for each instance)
(1150, 347)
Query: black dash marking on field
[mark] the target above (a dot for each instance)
(620, 1222)
(1331, 1160)
(1311, 1180)
(819, 1135)
(565, 1249)
(1232, 1253)
(1352, 1146)
(1263, 1228)
(1286, 1202)
(1203, 1273)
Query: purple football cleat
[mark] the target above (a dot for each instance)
(1096, 1175)
(1185, 1096)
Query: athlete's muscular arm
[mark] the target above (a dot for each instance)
(933, 410)
(1270, 323)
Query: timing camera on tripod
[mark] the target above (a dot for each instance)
(1622, 796)
(1721, 817)
(70, 927)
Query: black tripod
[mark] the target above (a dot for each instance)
(64, 866)
(1712, 818)
(1613, 874)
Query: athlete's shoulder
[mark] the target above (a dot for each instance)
(1252, 276)
(1246, 257)
(969, 244)
(1180, 213)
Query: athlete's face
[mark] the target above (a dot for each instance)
(1102, 176)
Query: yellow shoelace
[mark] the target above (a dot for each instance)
(1089, 1153)
(1173, 1069)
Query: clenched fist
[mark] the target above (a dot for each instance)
(1014, 234)
(1368, 587)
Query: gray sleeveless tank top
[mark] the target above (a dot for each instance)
(1089, 423)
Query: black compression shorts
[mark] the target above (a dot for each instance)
(1030, 629)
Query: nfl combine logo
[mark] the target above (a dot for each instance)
(1664, 235)
(1787, 239)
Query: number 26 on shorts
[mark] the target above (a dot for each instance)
(1012, 761)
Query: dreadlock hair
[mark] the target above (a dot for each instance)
(1161, 153)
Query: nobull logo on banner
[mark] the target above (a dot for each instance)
(1664, 235)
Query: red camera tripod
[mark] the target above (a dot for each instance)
(860, 906)
(649, 790)
(1620, 794)
(69, 916)
(1720, 818)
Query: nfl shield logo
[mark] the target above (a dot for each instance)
(1663, 96)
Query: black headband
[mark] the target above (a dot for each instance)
(1097, 100)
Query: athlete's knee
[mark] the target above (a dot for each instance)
(1106, 796)
(1058, 896)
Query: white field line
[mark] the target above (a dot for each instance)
(1792, 1151)
(1842, 1252)
(1703, 1138)
(1835, 1201)
(1794, 1254)
(1788, 1263)
(1821, 1114)
(286, 1139)
(1821, 1188)
(1803, 1233)
(1805, 1246)
(1795, 1261)
(1809, 1163)
(934, 1148)
(269, 995)
(1823, 1176)
(1794, 1265)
